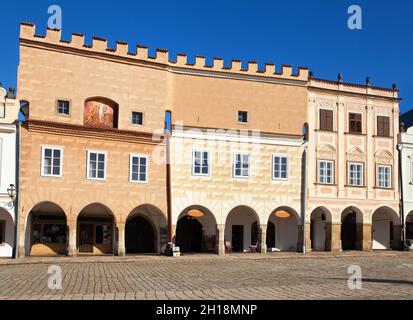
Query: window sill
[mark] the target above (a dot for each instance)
(358, 187)
(384, 137)
(355, 134)
(325, 131)
(51, 177)
(383, 188)
(325, 184)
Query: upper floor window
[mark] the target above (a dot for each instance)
(355, 123)
(200, 163)
(96, 165)
(52, 160)
(241, 165)
(383, 176)
(280, 167)
(63, 107)
(137, 118)
(2, 231)
(383, 126)
(325, 171)
(138, 168)
(242, 117)
(326, 120)
(355, 174)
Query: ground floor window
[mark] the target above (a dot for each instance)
(48, 231)
(95, 235)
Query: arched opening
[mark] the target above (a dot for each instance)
(320, 230)
(284, 236)
(6, 234)
(95, 230)
(46, 230)
(385, 222)
(241, 228)
(100, 113)
(351, 229)
(146, 230)
(196, 230)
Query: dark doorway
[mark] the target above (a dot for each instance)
(270, 235)
(189, 235)
(254, 233)
(349, 232)
(139, 236)
(238, 238)
(86, 238)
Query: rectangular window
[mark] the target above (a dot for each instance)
(2, 231)
(96, 165)
(63, 107)
(326, 120)
(52, 159)
(355, 174)
(138, 168)
(384, 176)
(242, 117)
(137, 118)
(325, 172)
(383, 126)
(280, 167)
(355, 123)
(241, 165)
(200, 163)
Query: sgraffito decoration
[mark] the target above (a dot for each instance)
(99, 114)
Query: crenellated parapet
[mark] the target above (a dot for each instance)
(162, 57)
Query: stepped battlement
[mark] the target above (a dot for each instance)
(162, 56)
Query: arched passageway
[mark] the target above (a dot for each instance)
(351, 229)
(242, 228)
(282, 230)
(95, 230)
(385, 228)
(320, 230)
(46, 230)
(196, 230)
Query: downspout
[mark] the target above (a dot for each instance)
(168, 134)
(17, 201)
(401, 197)
(304, 195)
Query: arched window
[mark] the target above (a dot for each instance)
(100, 113)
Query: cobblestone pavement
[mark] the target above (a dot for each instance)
(253, 276)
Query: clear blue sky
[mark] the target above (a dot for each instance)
(309, 33)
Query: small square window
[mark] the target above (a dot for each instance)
(63, 107)
(242, 116)
(137, 118)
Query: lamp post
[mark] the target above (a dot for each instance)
(12, 192)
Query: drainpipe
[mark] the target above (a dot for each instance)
(401, 197)
(168, 134)
(17, 201)
(304, 195)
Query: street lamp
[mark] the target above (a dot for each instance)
(11, 191)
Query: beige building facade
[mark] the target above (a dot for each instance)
(353, 189)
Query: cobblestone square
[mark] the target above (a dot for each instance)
(250, 276)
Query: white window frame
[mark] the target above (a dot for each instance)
(362, 174)
(281, 156)
(202, 157)
(88, 165)
(234, 162)
(332, 172)
(390, 176)
(136, 155)
(43, 174)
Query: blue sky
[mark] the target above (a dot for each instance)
(309, 33)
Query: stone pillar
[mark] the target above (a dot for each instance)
(72, 240)
(220, 239)
(120, 239)
(300, 242)
(336, 236)
(367, 237)
(308, 236)
(173, 235)
(21, 240)
(263, 238)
